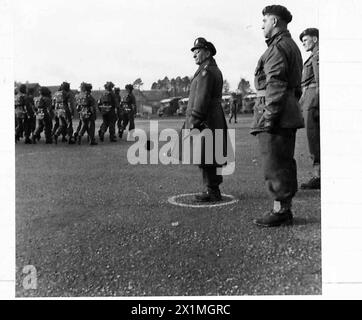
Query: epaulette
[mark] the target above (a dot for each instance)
(204, 71)
(278, 38)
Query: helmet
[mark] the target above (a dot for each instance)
(109, 85)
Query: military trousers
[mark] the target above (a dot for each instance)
(313, 135)
(44, 124)
(87, 125)
(56, 125)
(23, 126)
(127, 118)
(209, 177)
(76, 132)
(65, 126)
(119, 119)
(279, 165)
(33, 123)
(233, 115)
(109, 121)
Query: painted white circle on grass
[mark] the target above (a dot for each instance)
(175, 201)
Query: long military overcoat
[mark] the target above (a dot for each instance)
(204, 108)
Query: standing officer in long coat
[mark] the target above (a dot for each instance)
(310, 103)
(277, 114)
(204, 110)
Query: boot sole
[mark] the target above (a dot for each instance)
(276, 224)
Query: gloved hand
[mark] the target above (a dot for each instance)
(198, 124)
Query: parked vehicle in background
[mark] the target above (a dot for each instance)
(181, 111)
(168, 106)
(248, 103)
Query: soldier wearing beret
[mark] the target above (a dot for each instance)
(204, 110)
(310, 102)
(277, 114)
(107, 107)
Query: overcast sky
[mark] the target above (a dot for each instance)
(118, 40)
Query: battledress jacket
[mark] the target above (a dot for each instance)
(278, 84)
(204, 108)
(310, 82)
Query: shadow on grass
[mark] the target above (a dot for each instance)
(305, 221)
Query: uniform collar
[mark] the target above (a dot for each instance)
(315, 49)
(208, 62)
(284, 33)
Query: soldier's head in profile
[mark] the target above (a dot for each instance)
(83, 87)
(88, 87)
(129, 88)
(65, 86)
(202, 50)
(276, 18)
(45, 92)
(30, 91)
(109, 85)
(22, 88)
(309, 38)
(117, 90)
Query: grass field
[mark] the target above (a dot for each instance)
(93, 225)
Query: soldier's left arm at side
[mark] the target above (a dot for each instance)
(315, 64)
(202, 97)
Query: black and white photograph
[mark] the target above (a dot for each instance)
(173, 148)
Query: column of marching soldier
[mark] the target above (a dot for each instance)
(54, 115)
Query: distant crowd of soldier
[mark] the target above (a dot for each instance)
(54, 115)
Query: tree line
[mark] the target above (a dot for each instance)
(181, 85)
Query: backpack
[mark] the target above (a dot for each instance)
(59, 99)
(84, 103)
(37, 102)
(20, 100)
(84, 100)
(106, 98)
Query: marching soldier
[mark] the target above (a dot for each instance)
(204, 110)
(55, 128)
(63, 103)
(233, 108)
(76, 132)
(86, 106)
(42, 107)
(23, 115)
(310, 102)
(107, 107)
(129, 109)
(277, 114)
(118, 109)
(30, 98)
